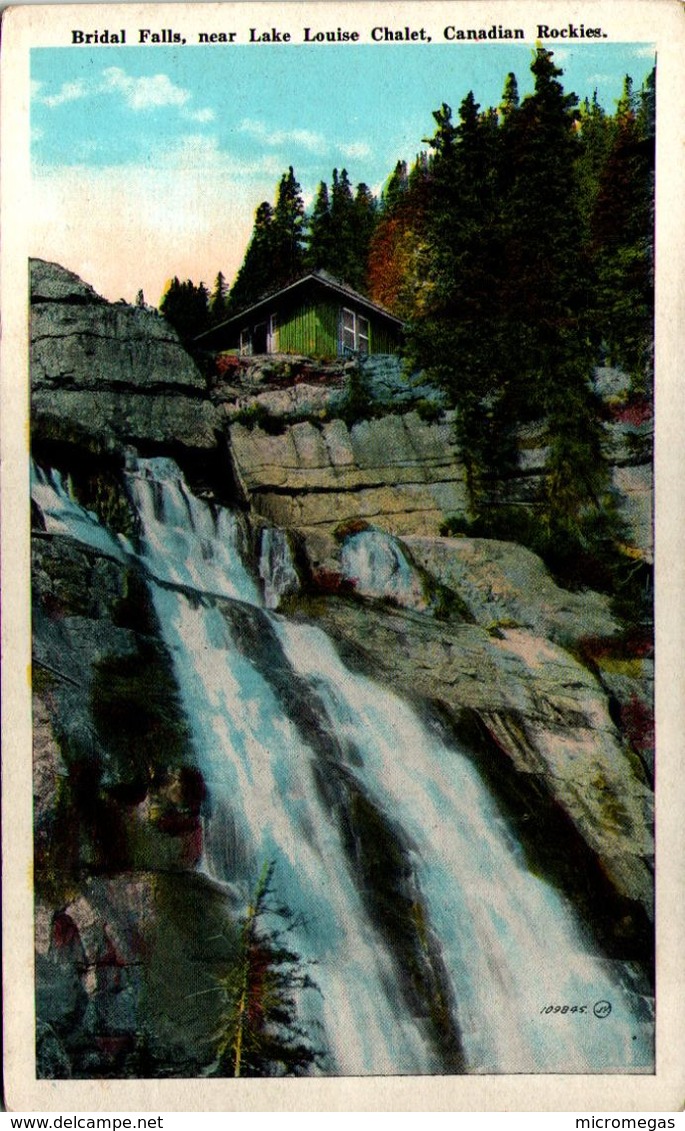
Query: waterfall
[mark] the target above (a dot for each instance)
(277, 567)
(285, 735)
(377, 565)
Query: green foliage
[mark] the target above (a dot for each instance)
(255, 277)
(623, 238)
(585, 553)
(428, 411)
(356, 403)
(536, 247)
(275, 254)
(186, 307)
(320, 240)
(288, 231)
(340, 230)
(218, 301)
(258, 416)
(259, 1033)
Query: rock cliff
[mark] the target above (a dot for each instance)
(108, 375)
(542, 684)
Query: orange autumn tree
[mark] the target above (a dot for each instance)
(393, 272)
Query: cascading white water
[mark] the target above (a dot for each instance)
(259, 774)
(376, 564)
(63, 515)
(276, 566)
(509, 943)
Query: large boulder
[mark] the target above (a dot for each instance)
(106, 374)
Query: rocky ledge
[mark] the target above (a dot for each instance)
(110, 374)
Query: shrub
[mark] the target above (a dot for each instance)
(259, 1034)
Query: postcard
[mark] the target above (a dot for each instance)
(342, 635)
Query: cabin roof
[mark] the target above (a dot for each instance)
(319, 279)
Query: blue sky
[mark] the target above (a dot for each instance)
(150, 161)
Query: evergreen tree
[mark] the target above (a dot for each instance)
(260, 1034)
(320, 236)
(288, 231)
(397, 245)
(550, 303)
(256, 275)
(340, 230)
(623, 235)
(595, 135)
(218, 300)
(457, 333)
(342, 263)
(365, 215)
(510, 97)
(395, 188)
(186, 307)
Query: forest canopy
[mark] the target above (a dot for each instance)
(518, 249)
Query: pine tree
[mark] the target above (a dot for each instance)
(622, 229)
(340, 230)
(186, 307)
(342, 227)
(256, 275)
(288, 231)
(218, 300)
(397, 245)
(550, 301)
(510, 97)
(260, 1034)
(595, 136)
(395, 187)
(320, 237)
(457, 335)
(364, 223)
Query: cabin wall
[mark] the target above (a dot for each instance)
(382, 339)
(311, 329)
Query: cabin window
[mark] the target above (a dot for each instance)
(245, 342)
(354, 332)
(272, 340)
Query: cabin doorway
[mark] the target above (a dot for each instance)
(259, 338)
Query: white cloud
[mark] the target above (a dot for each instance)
(68, 92)
(356, 149)
(645, 51)
(307, 139)
(598, 79)
(204, 115)
(201, 155)
(145, 92)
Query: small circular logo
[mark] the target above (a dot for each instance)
(601, 1008)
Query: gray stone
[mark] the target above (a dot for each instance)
(503, 584)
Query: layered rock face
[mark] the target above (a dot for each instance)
(554, 703)
(110, 374)
(397, 472)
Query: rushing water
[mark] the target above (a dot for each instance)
(284, 735)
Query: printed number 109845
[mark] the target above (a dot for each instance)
(564, 1009)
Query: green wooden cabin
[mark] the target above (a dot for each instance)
(316, 316)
